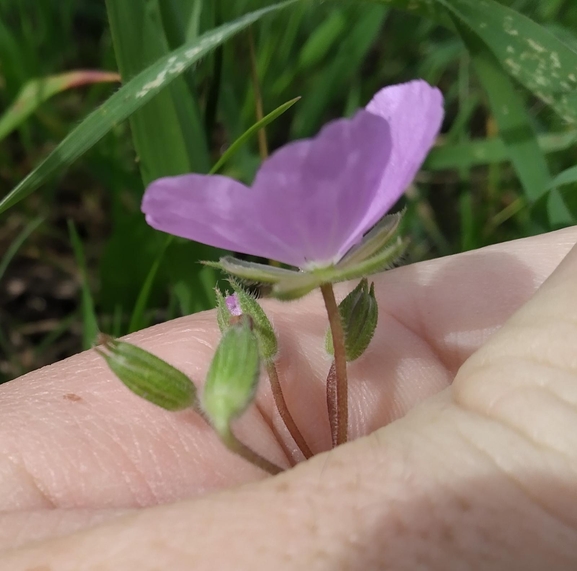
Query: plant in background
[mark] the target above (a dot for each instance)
(318, 206)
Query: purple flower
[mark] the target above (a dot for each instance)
(233, 304)
(314, 199)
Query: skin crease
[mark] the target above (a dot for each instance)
(472, 373)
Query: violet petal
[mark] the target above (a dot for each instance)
(307, 205)
(414, 111)
(315, 193)
(233, 304)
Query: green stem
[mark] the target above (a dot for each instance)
(284, 411)
(242, 450)
(338, 407)
(262, 141)
(331, 388)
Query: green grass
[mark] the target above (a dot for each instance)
(494, 176)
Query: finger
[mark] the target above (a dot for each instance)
(482, 476)
(434, 315)
(72, 436)
(22, 527)
(532, 363)
(456, 303)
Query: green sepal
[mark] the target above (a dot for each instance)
(262, 326)
(383, 260)
(378, 238)
(300, 285)
(251, 271)
(233, 375)
(305, 282)
(359, 314)
(222, 311)
(380, 249)
(148, 376)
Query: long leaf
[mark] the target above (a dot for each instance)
(566, 177)
(16, 244)
(137, 320)
(250, 132)
(490, 151)
(127, 100)
(528, 51)
(513, 121)
(90, 328)
(37, 91)
(543, 63)
(168, 132)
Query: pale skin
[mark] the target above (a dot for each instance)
(464, 414)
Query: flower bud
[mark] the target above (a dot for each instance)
(233, 375)
(359, 314)
(262, 326)
(227, 308)
(233, 305)
(148, 376)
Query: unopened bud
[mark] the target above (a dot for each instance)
(148, 376)
(233, 375)
(233, 305)
(262, 326)
(359, 315)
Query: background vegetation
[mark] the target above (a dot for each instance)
(76, 254)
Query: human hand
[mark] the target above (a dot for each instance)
(477, 472)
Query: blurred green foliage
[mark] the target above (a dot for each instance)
(492, 177)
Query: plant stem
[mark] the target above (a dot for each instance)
(284, 411)
(262, 141)
(242, 450)
(215, 86)
(332, 402)
(339, 407)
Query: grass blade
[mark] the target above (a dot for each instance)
(539, 60)
(137, 320)
(90, 328)
(528, 51)
(514, 124)
(566, 177)
(37, 91)
(167, 132)
(252, 131)
(16, 244)
(490, 151)
(138, 91)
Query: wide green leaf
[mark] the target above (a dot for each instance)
(168, 132)
(490, 151)
(568, 176)
(528, 51)
(509, 111)
(539, 60)
(138, 91)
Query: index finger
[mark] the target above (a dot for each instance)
(72, 436)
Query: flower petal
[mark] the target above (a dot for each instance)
(414, 111)
(233, 304)
(306, 205)
(214, 210)
(314, 194)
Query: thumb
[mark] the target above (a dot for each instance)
(482, 476)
